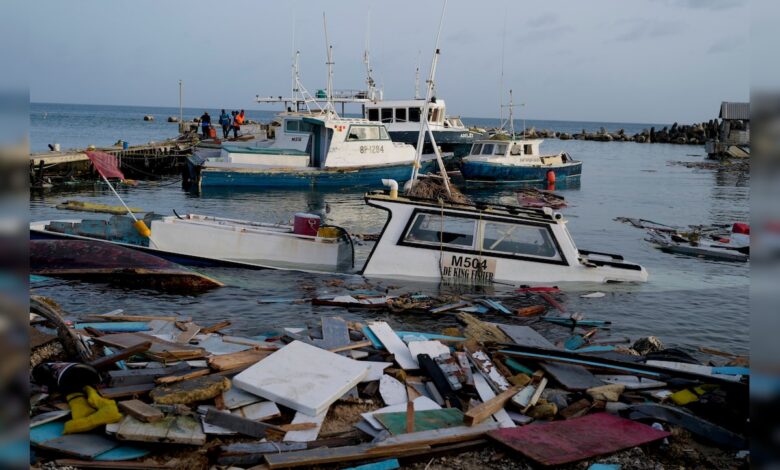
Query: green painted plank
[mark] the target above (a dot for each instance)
(425, 420)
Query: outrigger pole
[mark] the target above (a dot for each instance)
(424, 126)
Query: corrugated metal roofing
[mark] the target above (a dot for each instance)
(739, 111)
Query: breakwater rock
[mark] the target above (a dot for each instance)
(685, 134)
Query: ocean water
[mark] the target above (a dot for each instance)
(76, 126)
(688, 302)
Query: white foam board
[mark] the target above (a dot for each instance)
(431, 348)
(392, 391)
(302, 377)
(393, 344)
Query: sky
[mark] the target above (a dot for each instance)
(656, 61)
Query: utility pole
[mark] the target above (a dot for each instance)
(181, 114)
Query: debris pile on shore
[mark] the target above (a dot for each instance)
(161, 391)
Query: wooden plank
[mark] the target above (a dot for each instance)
(171, 429)
(258, 411)
(561, 442)
(425, 420)
(215, 327)
(305, 435)
(182, 376)
(433, 437)
(103, 362)
(48, 417)
(141, 376)
(481, 412)
(237, 359)
(237, 423)
(351, 346)
(84, 446)
(393, 344)
(117, 464)
(443, 386)
(251, 453)
(526, 336)
(324, 455)
(486, 393)
(186, 335)
(140, 318)
(334, 333)
(127, 391)
(488, 370)
(141, 411)
(160, 350)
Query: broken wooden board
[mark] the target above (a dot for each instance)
(215, 345)
(161, 350)
(571, 377)
(251, 453)
(236, 398)
(631, 382)
(560, 442)
(190, 391)
(84, 445)
(431, 348)
(324, 455)
(127, 391)
(424, 420)
(402, 442)
(375, 370)
(48, 417)
(302, 377)
(171, 429)
(307, 435)
(486, 393)
(236, 423)
(141, 411)
(393, 344)
(420, 404)
(260, 411)
(236, 360)
(143, 376)
(392, 391)
(526, 336)
(488, 370)
(334, 333)
(186, 335)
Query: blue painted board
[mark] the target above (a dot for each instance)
(383, 465)
(116, 327)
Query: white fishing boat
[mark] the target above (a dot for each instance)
(215, 241)
(482, 244)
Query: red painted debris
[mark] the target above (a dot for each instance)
(560, 442)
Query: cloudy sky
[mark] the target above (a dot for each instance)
(605, 60)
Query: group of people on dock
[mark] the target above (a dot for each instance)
(232, 121)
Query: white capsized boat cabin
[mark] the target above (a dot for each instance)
(480, 244)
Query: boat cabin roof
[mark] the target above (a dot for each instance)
(498, 147)
(418, 103)
(544, 215)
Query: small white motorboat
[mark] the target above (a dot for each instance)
(733, 248)
(204, 240)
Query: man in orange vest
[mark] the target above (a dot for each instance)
(237, 121)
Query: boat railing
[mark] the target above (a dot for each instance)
(250, 227)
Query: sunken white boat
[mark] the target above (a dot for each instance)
(482, 244)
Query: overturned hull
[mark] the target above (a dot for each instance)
(93, 261)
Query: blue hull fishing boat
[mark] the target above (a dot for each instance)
(505, 159)
(319, 150)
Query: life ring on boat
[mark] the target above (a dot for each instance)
(551, 176)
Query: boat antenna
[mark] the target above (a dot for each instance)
(329, 53)
(294, 71)
(417, 78)
(501, 77)
(511, 120)
(424, 126)
(370, 84)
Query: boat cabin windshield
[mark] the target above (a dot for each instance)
(296, 125)
(481, 236)
(489, 149)
(365, 132)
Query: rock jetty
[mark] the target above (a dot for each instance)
(685, 134)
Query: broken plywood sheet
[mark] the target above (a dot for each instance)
(306, 435)
(431, 348)
(526, 336)
(236, 398)
(214, 344)
(560, 442)
(160, 350)
(485, 393)
(302, 377)
(392, 391)
(393, 344)
(171, 429)
(258, 411)
(420, 404)
(424, 420)
(571, 377)
(375, 370)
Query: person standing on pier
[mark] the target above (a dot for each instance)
(224, 121)
(205, 124)
(237, 122)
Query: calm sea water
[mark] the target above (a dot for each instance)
(688, 302)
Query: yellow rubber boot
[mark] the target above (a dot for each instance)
(107, 412)
(79, 407)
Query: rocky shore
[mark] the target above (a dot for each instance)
(685, 134)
